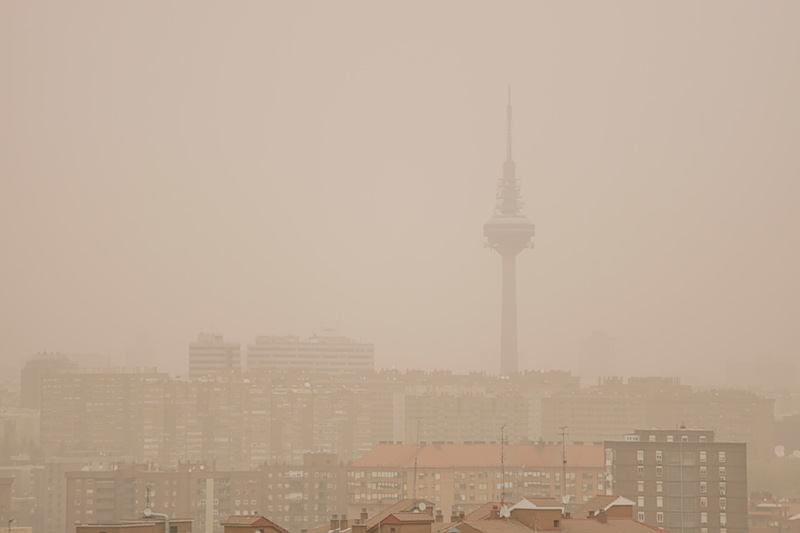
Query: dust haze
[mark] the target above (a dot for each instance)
(258, 169)
(180, 173)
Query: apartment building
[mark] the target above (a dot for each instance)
(681, 480)
(5, 498)
(301, 496)
(111, 412)
(462, 477)
(591, 416)
(327, 354)
(212, 356)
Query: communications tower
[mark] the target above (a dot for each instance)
(509, 232)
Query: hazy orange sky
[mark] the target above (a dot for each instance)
(268, 168)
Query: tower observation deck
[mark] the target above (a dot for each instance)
(509, 232)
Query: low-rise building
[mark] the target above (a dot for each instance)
(463, 477)
(150, 525)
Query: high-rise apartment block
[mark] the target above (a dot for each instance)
(35, 370)
(319, 353)
(681, 480)
(212, 356)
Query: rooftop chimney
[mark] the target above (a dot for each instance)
(359, 527)
(364, 515)
(334, 522)
(454, 517)
(495, 513)
(439, 515)
(343, 522)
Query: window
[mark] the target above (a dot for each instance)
(640, 516)
(703, 471)
(652, 438)
(702, 438)
(723, 489)
(556, 523)
(660, 517)
(704, 518)
(640, 456)
(640, 470)
(703, 487)
(723, 504)
(659, 501)
(659, 486)
(722, 473)
(659, 456)
(703, 502)
(721, 457)
(640, 485)
(684, 438)
(703, 457)
(640, 503)
(659, 471)
(173, 529)
(723, 519)
(670, 438)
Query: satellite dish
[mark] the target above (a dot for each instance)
(422, 506)
(504, 511)
(148, 512)
(565, 499)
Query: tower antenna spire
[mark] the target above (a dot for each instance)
(508, 126)
(509, 232)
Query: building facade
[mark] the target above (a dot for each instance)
(462, 477)
(301, 496)
(318, 354)
(681, 480)
(212, 356)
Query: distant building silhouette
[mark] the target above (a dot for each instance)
(35, 370)
(327, 354)
(509, 232)
(212, 356)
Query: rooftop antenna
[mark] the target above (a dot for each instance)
(415, 478)
(564, 433)
(503, 457)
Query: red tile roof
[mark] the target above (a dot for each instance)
(503, 525)
(400, 507)
(251, 521)
(601, 501)
(482, 512)
(478, 455)
(615, 525)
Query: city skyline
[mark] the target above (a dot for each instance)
(340, 184)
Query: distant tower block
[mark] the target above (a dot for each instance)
(509, 232)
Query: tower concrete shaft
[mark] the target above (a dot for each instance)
(509, 232)
(509, 358)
